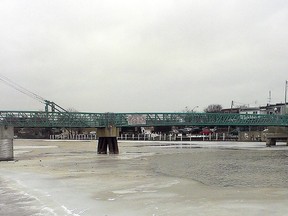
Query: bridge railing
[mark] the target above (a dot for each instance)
(77, 119)
(206, 119)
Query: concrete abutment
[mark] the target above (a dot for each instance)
(6, 143)
(276, 134)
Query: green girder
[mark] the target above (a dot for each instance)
(99, 120)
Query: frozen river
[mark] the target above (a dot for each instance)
(146, 178)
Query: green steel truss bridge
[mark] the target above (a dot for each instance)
(59, 119)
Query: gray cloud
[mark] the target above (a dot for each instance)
(128, 56)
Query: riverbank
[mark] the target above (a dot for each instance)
(147, 178)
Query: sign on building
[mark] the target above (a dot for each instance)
(136, 119)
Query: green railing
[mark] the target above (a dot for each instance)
(98, 120)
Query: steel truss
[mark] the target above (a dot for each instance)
(98, 120)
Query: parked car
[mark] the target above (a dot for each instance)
(206, 131)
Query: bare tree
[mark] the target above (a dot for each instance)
(213, 108)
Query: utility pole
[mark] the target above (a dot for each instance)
(232, 104)
(285, 105)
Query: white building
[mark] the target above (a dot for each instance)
(252, 110)
(278, 108)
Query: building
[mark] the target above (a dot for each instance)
(278, 109)
(252, 110)
(230, 110)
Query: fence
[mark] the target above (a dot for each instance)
(153, 137)
(178, 137)
(74, 137)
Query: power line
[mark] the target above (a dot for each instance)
(31, 94)
(21, 89)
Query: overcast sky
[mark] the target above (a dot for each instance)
(143, 56)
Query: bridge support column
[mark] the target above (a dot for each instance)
(276, 134)
(107, 138)
(6, 143)
(270, 142)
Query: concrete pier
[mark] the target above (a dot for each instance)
(6, 143)
(107, 139)
(276, 134)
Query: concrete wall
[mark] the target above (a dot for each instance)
(281, 130)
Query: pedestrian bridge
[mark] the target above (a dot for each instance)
(102, 120)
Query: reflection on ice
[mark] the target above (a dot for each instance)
(147, 188)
